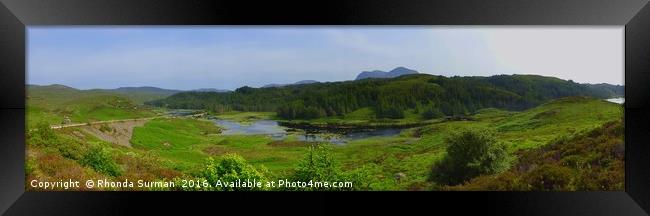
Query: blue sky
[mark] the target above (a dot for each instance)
(230, 57)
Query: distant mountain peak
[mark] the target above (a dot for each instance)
(398, 71)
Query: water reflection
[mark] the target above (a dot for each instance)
(182, 112)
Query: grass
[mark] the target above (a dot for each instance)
(188, 142)
(175, 139)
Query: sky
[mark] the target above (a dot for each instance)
(225, 57)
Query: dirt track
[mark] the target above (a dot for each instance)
(119, 133)
(114, 131)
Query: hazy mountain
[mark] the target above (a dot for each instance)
(371, 74)
(143, 89)
(398, 71)
(137, 94)
(209, 90)
(305, 82)
(296, 83)
(274, 85)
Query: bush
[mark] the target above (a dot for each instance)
(470, 153)
(231, 168)
(318, 165)
(431, 113)
(549, 178)
(101, 161)
(374, 177)
(69, 148)
(105, 128)
(42, 135)
(44, 131)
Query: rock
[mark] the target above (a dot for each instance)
(399, 176)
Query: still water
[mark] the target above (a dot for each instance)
(277, 132)
(616, 100)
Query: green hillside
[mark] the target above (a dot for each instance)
(140, 94)
(592, 160)
(415, 156)
(426, 96)
(51, 104)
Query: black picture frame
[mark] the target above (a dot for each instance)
(15, 15)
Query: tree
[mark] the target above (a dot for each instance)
(318, 165)
(231, 168)
(470, 153)
(431, 112)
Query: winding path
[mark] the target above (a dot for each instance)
(59, 126)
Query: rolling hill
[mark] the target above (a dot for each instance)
(140, 94)
(51, 104)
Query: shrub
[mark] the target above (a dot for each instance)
(105, 128)
(318, 165)
(101, 161)
(69, 148)
(431, 113)
(42, 135)
(230, 168)
(470, 153)
(549, 178)
(362, 177)
(44, 131)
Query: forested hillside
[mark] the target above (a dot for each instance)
(428, 95)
